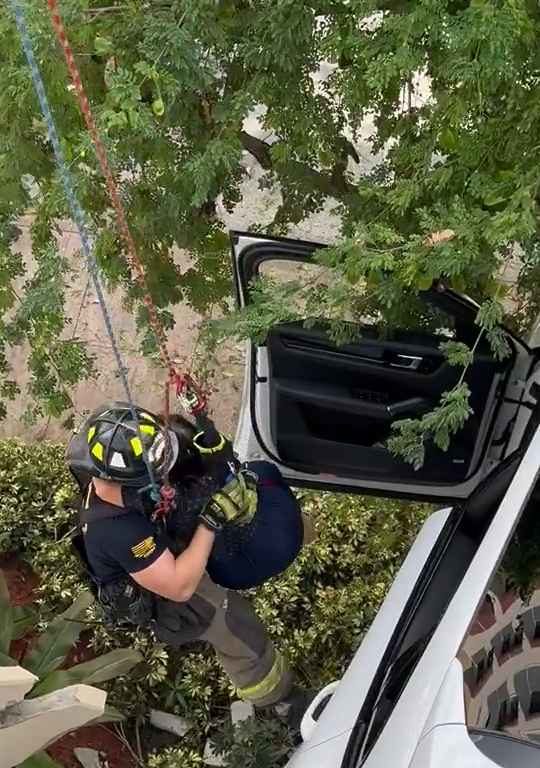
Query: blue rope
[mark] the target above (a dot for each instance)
(78, 215)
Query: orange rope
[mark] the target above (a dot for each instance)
(183, 383)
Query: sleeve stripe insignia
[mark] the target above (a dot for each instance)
(144, 548)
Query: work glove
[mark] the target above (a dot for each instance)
(234, 504)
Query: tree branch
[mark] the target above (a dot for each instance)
(258, 148)
(332, 185)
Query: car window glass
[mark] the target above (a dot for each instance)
(394, 683)
(507, 751)
(417, 315)
(308, 276)
(501, 654)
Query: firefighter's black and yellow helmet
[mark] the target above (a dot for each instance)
(113, 445)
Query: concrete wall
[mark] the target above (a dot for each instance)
(27, 727)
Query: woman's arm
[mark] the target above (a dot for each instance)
(215, 449)
(178, 579)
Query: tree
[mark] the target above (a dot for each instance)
(172, 83)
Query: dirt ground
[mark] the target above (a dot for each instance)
(257, 206)
(146, 380)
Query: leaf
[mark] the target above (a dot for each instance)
(498, 341)
(491, 199)
(450, 416)
(424, 282)
(158, 107)
(99, 670)
(6, 616)
(110, 715)
(53, 645)
(448, 140)
(490, 314)
(439, 425)
(106, 667)
(102, 45)
(54, 681)
(24, 618)
(457, 353)
(39, 760)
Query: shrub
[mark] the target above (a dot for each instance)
(50, 650)
(325, 602)
(37, 495)
(317, 611)
(176, 757)
(255, 743)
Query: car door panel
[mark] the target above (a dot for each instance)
(337, 405)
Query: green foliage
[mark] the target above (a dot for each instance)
(527, 290)
(172, 85)
(144, 688)
(176, 757)
(56, 363)
(321, 607)
(50, 650)
(24, 619)
(272, 302)
(111, 665)
(438, 426)
(36, 515)
(317, 611)
(62, 633)
(457, 353)
(6, 629)
(254, 743)
(39, 760)
(521, 563)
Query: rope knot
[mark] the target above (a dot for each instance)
(166, 502)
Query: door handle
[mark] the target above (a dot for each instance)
(307, 726)
(410, 362)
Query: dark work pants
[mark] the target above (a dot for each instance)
(228, 622)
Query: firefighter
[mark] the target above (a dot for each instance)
(154, 572)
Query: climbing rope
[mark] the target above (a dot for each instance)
(190, 395)
(77, 212)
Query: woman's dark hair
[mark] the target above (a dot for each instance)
(189, 464)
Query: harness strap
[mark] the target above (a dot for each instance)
(100, 510)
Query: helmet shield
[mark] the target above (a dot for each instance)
(113, 445)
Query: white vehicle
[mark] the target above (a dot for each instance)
(449, 672)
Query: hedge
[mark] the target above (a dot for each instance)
(317, 611)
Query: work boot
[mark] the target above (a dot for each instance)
(293, 708)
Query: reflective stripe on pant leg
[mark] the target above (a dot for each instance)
(267, 687)
(244, 648)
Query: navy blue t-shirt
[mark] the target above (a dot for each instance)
(126, 543)
(130, 541)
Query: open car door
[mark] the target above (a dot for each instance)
(324, 412)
